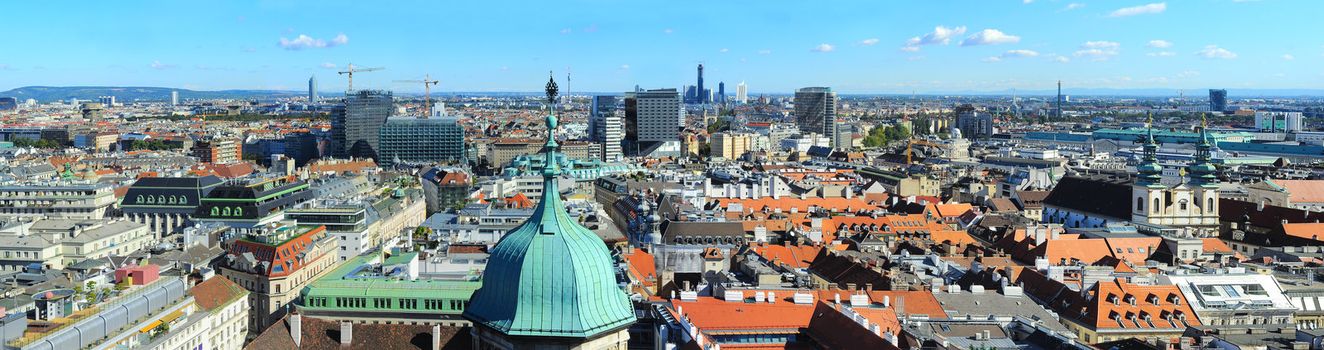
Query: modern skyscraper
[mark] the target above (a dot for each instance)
(174, 98)
(1217, 100)
(703, 95)
(721, 92)
(550, 280)
(355, 128)
(742, 93)
(605, 127)
(816, 111)
(312, 89)
(653, 120)
(658, 112)
(410, 140)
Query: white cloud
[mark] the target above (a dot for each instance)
(869, 41)
(724, 50)
(1213, 51)
(1147, 9)
(566, 30)
(1188, 74)
(990, 37)
(765, 52)
(823, 48)
(1161, 54)
(1026, 1)
(1288, 57)
(1060, 58)
(328, 65)
(941, 35)
(914, 58)
(1099, 50)
(625, 67)
(992, 59)
(1020, 53)
(1159, 44)
(307, 42)
(668, 31)
(1073, 6)
(159, 65)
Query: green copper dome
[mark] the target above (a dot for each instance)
(550, 277)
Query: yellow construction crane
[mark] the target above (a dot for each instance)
(351, 69)
(427, 92)
(911, 144)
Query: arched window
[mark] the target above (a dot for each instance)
(1211, 204)
(1140, 203)
(1156, 205)
(140, 198)
(238, 211)
(215, 211)
(225, 212)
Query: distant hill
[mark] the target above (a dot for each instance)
(134, 93)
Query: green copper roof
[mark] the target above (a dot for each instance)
(550, 277)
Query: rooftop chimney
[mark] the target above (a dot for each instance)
(296, 328)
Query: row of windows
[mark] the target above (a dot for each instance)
(389, 303)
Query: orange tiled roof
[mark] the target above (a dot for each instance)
(953, 210)
(1303, 191)
(643, 267)
(709, 314)
(1215, 245)
(1307, 230)
(1133, 249)
(791, 256)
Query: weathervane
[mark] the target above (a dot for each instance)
(551, 88)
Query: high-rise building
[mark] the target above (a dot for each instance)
(816, 111)
(356, 127)
(656, 114)
(721, 92)
(550, 280)
(107, 101)
(742, 93)
(312, 89)
(174, 98)
(409, 140)
(703, 95)
(1217, 100)
(605, 127)
(974, 124)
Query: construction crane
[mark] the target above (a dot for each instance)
(351, 69)
(427, 92)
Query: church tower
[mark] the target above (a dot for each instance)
(550, 283)
(1150, 194)
(1204, 180)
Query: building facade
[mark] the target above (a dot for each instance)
(816, 110)
(605, 127)
(407, 140)
(356, 126)
(274, 264)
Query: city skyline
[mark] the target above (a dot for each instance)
(855, 48)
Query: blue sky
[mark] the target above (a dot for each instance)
(774, 46)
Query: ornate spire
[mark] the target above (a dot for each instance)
(551, 168)
(1202, 170)
(1149, 171)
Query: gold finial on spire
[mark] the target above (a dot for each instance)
(1204, 120)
